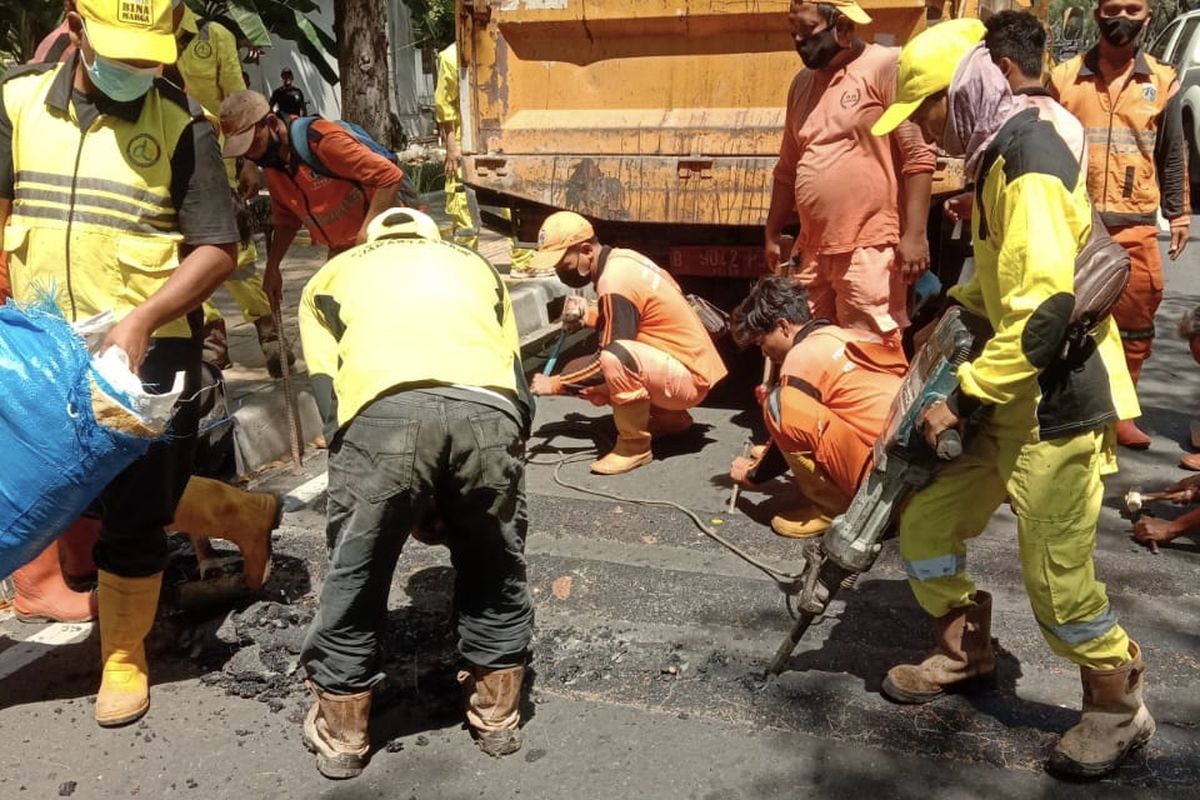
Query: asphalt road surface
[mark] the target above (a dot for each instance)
(650, 648)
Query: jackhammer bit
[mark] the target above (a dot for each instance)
(902, 463)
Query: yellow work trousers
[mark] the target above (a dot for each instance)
(245, 286)
(458, 208)
(1056, 491)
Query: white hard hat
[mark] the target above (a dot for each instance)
(403, 223)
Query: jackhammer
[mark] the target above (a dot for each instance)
(902, 463)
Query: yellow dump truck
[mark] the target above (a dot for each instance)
(658, 119)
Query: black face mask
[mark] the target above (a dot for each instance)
(271, 159)
(572, 277)
(817, 50)
(1120, 31)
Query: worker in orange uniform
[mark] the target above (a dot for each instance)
(334, 208)
(1137, 163)
(835, 389)
(656, 360)
(858, 245)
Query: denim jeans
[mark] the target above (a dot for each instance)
(404, 459)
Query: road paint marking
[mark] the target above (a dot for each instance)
(27, 651)
(305, 492)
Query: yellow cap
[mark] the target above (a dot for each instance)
(130, 30)
(853, 11)
(927, 65)
(559, 232)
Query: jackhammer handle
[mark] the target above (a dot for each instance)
(949, 445)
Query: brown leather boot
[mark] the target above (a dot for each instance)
(273, 343)
(668, 423)
(633, 440)
(1114, 722)
(214, 510)
(493, 706)
(962, 653)
(335, 728)
(41, 594)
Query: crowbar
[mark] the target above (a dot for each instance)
(289, 393)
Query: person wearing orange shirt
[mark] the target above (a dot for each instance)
(334, 208)
(835, 389)
(655, 361)
(863, 202)
(1129, 105)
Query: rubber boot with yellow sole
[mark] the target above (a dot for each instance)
(633, 440)
(824, 500)
(962, 658)
(1114, 722)
(42, 595)
(215, 510)
(127, 609)
(493, 706)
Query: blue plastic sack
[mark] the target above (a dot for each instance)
(55, 458)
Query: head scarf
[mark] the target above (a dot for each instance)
(980, 103)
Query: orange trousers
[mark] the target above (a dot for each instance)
(807, 426)
(1135, 310)
(860, 289)
(634, 371)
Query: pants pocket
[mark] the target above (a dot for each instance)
(376, 459)
(1067, 570)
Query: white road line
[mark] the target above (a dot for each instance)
(305, 492)
(29, 650)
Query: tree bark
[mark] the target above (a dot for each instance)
(360, 27)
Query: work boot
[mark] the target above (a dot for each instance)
(802, 522)
(127, 609)
(1131, 436)
(216, 344)
(41, 594)
(75, 547)
(668, 423)
(817, 489)
(335, 728)
(270, 340)
(493, 706)
(633, 440)
(215, 510)
(962, 656)
(1114, 721)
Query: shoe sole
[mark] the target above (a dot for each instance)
(1065, 768)
(639, 463)
(976, 683)
(42, 619)
(117, 722)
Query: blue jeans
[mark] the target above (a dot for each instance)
(405, 459)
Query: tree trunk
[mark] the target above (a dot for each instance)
(360, 27)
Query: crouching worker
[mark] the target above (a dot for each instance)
(424, 430)
(835, 388)
(1049, 409)
(656, 360)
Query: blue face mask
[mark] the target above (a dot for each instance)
(120, 81)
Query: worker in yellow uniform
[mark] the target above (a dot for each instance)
(211, 71)
(426, 432)
(1130, 107)
(114, 198)
(460, 201)
(1047, 405)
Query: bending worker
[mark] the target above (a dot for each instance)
(1130, 105)
(835, 390)
(425, 433)
(656, 360)
(335, 208)
(1046, 406)
(150, 247)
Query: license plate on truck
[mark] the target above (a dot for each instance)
(718, 262)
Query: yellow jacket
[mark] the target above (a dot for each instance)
(1032, 215)
(445, 94)
(208, 61)
(409, 313)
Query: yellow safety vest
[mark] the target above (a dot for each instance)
(93, 223)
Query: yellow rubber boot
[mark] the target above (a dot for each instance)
(825, 500)
(633, 440)
(215, 510)
(127, 608)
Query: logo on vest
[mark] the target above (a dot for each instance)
(203, 50)
(1150, 93)
(135, 12)
(143, 150)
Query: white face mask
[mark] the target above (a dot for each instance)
(117, 79)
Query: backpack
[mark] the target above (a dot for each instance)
(300, 131)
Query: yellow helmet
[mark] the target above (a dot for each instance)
(403, 223)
